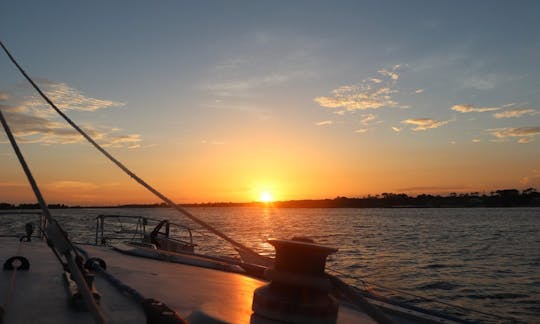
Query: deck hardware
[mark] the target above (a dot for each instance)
(75, 297)
(17, 263)
(29, 228)
(159, 313)
(89, 264)
(299, 289)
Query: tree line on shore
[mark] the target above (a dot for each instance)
(499, 198)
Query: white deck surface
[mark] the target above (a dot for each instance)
(39, 295)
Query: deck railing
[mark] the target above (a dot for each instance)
(133, 228)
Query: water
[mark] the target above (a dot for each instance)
(483, 258)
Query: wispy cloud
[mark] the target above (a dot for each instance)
(71, 185)
(372, 93)
(214, 142)
(396, 129)
(525, 140)
(424, 123)
(392, 74)
(434, 189)
(68, 98)
(471, 108)
(243, 87)
(361, 130)
(35, 129)
(12, 184)
(324, 123)
(368, 119)
(262, 60)
(532, 179)
(32, 122)
(525, 134)
(488, 82)
(515, 113)
(130, 140)
(418, 91)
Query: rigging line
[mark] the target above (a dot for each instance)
(57, 234)
(171, 315)
(166, 200)
(112, 279)
(365, 283)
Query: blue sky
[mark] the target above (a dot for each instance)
(305, 99)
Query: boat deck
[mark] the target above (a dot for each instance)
(40, 295)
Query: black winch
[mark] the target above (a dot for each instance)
(299, 290)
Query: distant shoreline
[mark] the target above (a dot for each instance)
(499, 198)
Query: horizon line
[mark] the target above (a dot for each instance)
(382, 196)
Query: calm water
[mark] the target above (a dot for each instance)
(484, 258)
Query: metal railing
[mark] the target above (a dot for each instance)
(132, 228)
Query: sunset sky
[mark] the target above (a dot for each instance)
(233, 100)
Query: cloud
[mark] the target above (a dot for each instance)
(396, 129)
(476, 140)
(425, 123)
(32, 121)
(525, 134)
(33, 129)
(471, 108)
(515, 113)
(487, 83)
(358, 98)
(372, 93)
(236, 87)
(392, 74)
(11, 184)
(361, 130)
(324, 122)
(262, 60)
(112, 140)
(71, 185)
(419, 91)
(367, 119)
(525, 140)
(425, 189)
(532, 179)
(67, 98)
(213, 142)
(37, 129)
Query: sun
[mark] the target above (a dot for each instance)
(266, 197)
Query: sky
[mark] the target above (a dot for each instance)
(237, 100)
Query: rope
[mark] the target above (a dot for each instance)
(155, 311)
(166, 200)
(112, 279)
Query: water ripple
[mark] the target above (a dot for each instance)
(483, 258)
